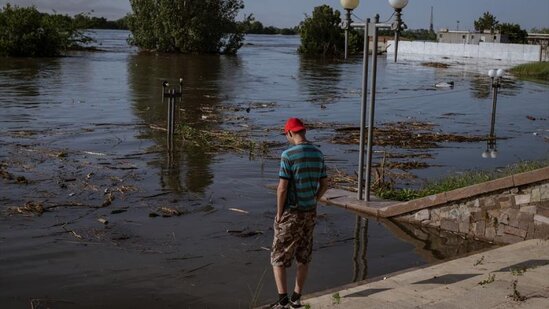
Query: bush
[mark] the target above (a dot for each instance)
(25, 32)
(206, 26)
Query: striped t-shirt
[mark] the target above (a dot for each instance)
(303, 165)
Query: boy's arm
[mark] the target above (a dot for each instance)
(281, 193)
(322, 188)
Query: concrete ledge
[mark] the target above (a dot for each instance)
(348, 200)
(531, 177)
(413, 205)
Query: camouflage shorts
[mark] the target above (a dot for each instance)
(293, 237)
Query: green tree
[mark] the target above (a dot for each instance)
(515, 33)
(321, 33)
(541, 30)
(186, 26)
(25, 32)
(486, 22)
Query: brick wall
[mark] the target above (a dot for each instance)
(504, 216)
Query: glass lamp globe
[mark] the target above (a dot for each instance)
(492, 73)
(398, 4)
(493, 154)
(500, 72)
(349, 4)
(485, 154)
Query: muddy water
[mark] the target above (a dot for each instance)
(83, 130)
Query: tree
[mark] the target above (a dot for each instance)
(25, 32)
(542, 30)
(321, 33)
(186, 26)
(486, 22)
(515, 33)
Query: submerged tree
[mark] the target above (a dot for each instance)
(321, 34)
(186, 26)
(25, 32)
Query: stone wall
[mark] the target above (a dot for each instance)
(504, 216)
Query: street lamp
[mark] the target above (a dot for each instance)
(398, 25)
(349, 6)
(398, 5)
(495, 76)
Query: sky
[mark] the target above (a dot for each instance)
(449, 14)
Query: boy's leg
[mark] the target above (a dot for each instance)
(280, 279)
(301, 276)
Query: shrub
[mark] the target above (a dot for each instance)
(25, 32)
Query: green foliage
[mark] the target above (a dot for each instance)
(321, 34)
(85, 21)
(336, 299)
(535, 71)
(515, 33)
(186, 26)
(486, 22)
(455, 182)
(252, 26)
(541, 30)
(491, 278)
(25, 32)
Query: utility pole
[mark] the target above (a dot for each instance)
(431, 29)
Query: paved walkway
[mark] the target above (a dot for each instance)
(483, 280)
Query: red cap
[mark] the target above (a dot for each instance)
(294, 125)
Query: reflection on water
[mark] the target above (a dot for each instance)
(431, 244)
(109, 104)
(320, 77)
(360, 249)
(201, 78)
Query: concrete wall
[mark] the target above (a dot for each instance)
(505, 52)
(502, 216)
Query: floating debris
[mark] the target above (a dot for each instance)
(438, 65)
(412, 134)
(238, 210)
(29, 209)
(244, 233)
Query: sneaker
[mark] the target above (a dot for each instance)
(278, 305)
(296, 304)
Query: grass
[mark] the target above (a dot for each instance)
(491, 278)
(336, 299)
(534, 70)
(457, 181)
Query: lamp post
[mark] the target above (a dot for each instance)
(398, 5)
(495, 76)
(398, 25)
(349, 6)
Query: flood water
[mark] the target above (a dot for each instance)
(85, 127)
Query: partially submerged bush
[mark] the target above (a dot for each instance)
(25, 32)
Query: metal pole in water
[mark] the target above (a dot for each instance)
(372, 110)
(363, 111)
(495, 85)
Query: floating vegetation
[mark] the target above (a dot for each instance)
(341, 180)
(29, 209)
(221, 140)
(438, 65)
(412, 135)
